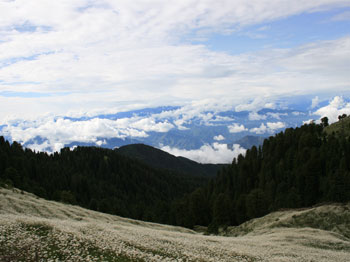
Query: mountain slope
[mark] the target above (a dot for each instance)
(330, 217)
(33, 229)
(340, 128)
(296, 168)
(249, 141)
(159, 159)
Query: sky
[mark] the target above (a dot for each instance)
(87, 57)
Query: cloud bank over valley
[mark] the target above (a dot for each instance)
(204, 132)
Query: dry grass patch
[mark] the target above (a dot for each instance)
(333, 218)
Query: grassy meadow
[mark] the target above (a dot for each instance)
(33, 229)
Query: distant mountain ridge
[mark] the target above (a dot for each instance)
(157, 158)
(248, 141)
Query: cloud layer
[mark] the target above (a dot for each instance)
(214, 153)
(237, 128)
(211, 124)
(87, 55)
(59, 131)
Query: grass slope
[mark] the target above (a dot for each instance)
(334, 218)
(340, 128)
(33, 229)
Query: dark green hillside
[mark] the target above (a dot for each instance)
(296, 168)
(96, 178)
(159, 159)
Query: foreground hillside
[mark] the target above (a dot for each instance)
(33, 229)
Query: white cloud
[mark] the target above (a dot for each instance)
(205, 111)
(270, 127)
(219, 118)
(214, 153)
(59, 131)
(180, 124)
(270, 105)
(127, 51)
(275, 126)
(276, 115)
(149, 124)
(219, 138)
(259, 130)
(253, 116)
(337, 106)
(296, 113)
(101, 142)
(315, 101)
(255, 105)
(308, 121)
(236, 128)
(344, 16)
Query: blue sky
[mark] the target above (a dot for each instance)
(287, 32)
(85, 58)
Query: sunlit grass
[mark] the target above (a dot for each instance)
(33, 229)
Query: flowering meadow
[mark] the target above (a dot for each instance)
(33, 229)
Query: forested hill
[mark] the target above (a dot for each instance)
(296, 168)
(159, 159)
(96, 178)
